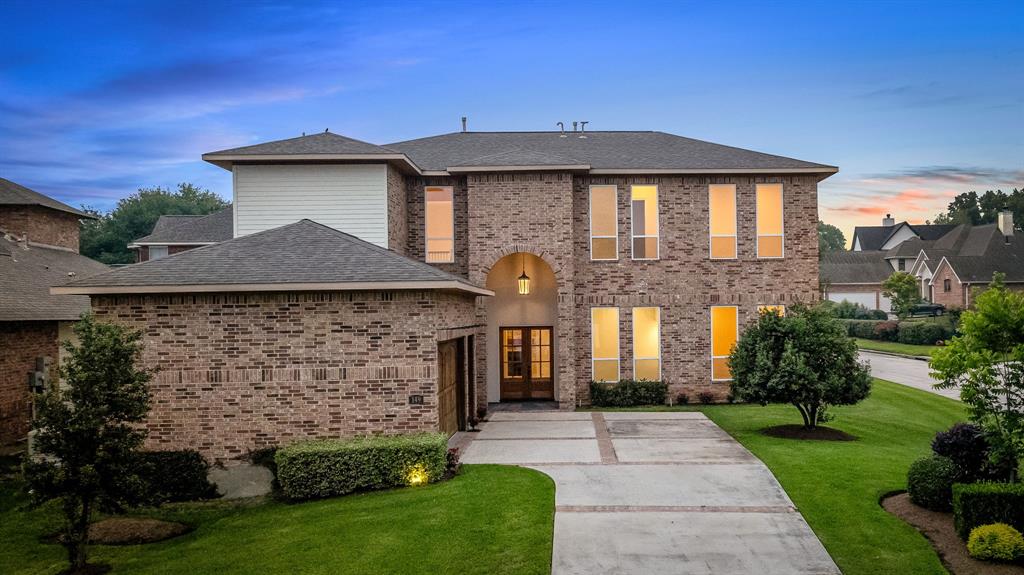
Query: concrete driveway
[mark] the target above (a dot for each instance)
(653, 493)
(906, 371)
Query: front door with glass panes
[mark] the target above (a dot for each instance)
(526, 368)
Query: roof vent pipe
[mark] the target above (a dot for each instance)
(583, 126)
(574, 126)
(561, 128)
(463, 124)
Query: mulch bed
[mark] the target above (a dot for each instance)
(819, 433)
(937, 527)
(133, 530)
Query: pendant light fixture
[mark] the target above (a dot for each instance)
(524, 280)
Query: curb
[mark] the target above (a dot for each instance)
(893, 354)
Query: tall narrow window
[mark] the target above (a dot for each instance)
(604, 224)
(724, 329)
(440, 224)
(647, 343)
(644, 219)
(722, 208)
(604, 338)
(770, 237)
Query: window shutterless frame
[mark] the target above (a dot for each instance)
(590, 222)
(632, 228)
(711, 315)
(782, 224)
(736, 225)
(637, 357)
(593, 344)
(426, 227)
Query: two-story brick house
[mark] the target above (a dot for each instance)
(520, 265)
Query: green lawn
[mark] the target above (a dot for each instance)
(837, 485)
(489, 519)
(893, 347)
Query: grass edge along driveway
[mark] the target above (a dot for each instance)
(489, 519)
(895, 347)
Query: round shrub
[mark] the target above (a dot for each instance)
(967, 447)
(996, 542)
(930, 482)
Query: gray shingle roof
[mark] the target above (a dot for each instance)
(13, 194)
(26, 274)
(874, 237)
(320, 143)
(985, 251)
(211, 228)
(849, 267)
(302, 253)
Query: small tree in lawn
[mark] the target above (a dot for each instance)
(87, 433)
(987, 361)
(903, 291)
(804, 358)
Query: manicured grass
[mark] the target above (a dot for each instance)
(893, 347)
(489, 519)
(837, 485)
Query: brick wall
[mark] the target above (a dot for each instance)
(41, 225)
(243, 371)
(956, 297)
(417, 224)
(398, 205)
(20, 344)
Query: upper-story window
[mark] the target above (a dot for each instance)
(157, 252)
(901, 264)
(440, 224)
(947, 285)
(722, 215)
(604, 223)
(770, 235)
(644, 219)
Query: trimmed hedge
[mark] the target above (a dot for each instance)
(930, 482)
(977, 504)
(627, 393)
(172, 476)
(329, 467)
(921, 332)
(862, 328)
(997, 542)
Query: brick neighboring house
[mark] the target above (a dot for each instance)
(174, 234)
(38, 248)
(567, 257)
(948, 261)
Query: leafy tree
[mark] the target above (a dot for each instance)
(987, 361)
(903, 291)
(804, 358)
(977, 209)
(830, 239)
(106, 239)
(88, 433)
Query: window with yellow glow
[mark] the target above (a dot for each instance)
(604, 223)
(770, 237)
(722, 212)
(647, 343)
(440, 224)
(776, 309)
(604, 338)
(724, 330)
(644, 218)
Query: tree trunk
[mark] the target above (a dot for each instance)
(80, 528)
(803, 413)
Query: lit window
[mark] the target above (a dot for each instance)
(440, 224)
(604, 337)
(645, 222)
(770, 237)
(724, 329)
(157, 252)
(647, 343)
(604, 225)
(776, 309)
(722, 203)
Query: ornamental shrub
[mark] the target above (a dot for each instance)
(967, 447)
(996, 542)
(627, 393)
(176, 476)
(862, 328)
(329, 467)
(886, 331)
(977, 504)
(922, 332)
(930, 482)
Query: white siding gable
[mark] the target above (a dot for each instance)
(903, 234)
(352, 198)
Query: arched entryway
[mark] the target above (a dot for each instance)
(521, 343)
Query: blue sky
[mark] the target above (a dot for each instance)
(914, 101)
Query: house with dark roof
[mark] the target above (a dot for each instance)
(407, 286)
(174, 233)
(38, 249)
(948, 260)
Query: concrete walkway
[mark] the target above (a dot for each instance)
(653, 493)
(906, 371)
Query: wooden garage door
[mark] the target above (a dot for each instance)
(447, 387)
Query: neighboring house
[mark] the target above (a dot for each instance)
(38, 248)
(174, 234)
(948, 260)
(388, 289)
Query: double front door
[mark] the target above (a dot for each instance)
(526, 363)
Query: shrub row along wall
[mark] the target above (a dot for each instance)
(912, 332)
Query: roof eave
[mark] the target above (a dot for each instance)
(138, 244)
(226, 161)
(444, 285)
(810, 170)
(531, 168)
